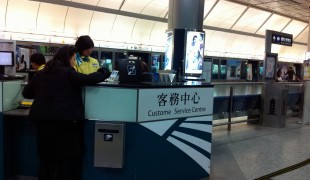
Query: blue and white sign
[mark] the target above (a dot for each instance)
(282, 39)
(157, 104)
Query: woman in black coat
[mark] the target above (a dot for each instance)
(58, 113)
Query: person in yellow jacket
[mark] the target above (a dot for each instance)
(84, 63)
(37, 61)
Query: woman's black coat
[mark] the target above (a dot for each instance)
(58, 94)
(58, 110)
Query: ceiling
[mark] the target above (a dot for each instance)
(231, 26)
(295, 9)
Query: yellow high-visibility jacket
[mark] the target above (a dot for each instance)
(86, 67)
(41, 67)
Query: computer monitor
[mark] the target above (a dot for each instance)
(6, 58)
(194, 52)
(129, 70)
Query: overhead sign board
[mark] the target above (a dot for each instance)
(282, 39)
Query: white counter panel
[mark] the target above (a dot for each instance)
(110, 104)
(1, 97)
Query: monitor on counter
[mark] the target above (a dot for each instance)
(6, 58)
(129, 70)
(194, 53)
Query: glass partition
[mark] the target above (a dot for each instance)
(105, 59)
(215, 69)
(295, 98)
(246, 101)
(12, 94)
(1, 97)
(223, 70)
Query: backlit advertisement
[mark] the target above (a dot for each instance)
(167, 63)
(194, 52)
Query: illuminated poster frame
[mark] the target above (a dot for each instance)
(167, 62)
(270, 66)
(233, 69)
(194, 52)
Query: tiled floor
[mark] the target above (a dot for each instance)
(252, 151)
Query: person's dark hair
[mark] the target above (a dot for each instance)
(83, 43)
(144, 66)
(194, 37)
(37, 58)
(61, 57)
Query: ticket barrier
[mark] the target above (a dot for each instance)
(275, 105)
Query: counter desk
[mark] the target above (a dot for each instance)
(10, 95)
(166, 131)
(138, 131)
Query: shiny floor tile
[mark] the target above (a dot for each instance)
(251, 151)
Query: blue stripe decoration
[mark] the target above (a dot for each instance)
(173, 127)
(205, 152)
(203, 122)
(159, 127)
(194, 140)
(207, 136)
(199, 127)
(192, 136)
(199, 158)
(200, 119)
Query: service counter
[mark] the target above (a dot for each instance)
(166, 131)
(136, 131)
(10, 95)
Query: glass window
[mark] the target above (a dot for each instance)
(106, 59)
(94, 54)
(223, 71)
(215, 69)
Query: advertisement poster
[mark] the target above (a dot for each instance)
(6, 46)
(233, 69)
(24, 58)
(194, 52)
(284, 68)
(307, 70)
(207, 69)
(249, 72)
(155, 62)
(270, 67)
(167, 64)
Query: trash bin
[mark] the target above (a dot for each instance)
(275, 105)
(109, 145)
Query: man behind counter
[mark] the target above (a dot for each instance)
(84, 63)
(37, 61)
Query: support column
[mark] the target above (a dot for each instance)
(183, 15)
(306, 105)
(308, 37)
(186, 14)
